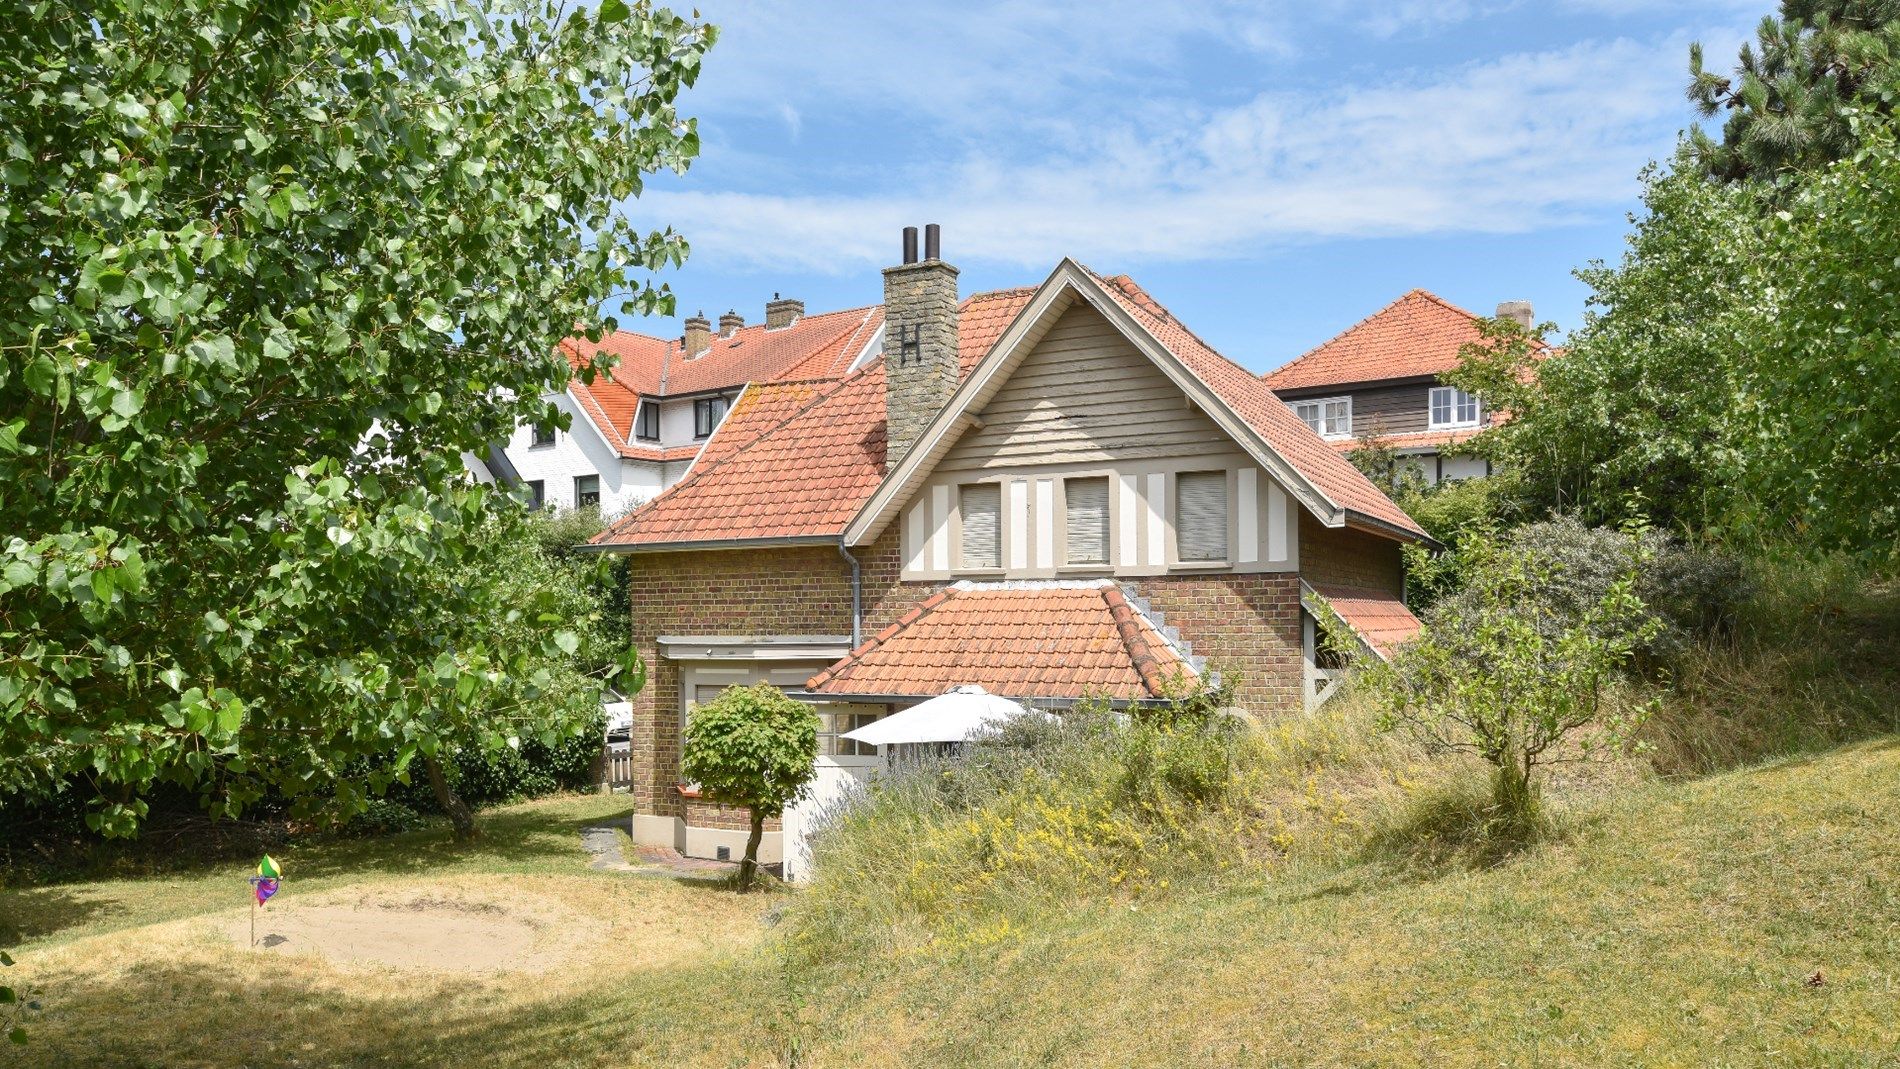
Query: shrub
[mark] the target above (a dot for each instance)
(751, 747)
(1508, 673)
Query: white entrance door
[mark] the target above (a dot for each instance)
(836, 780)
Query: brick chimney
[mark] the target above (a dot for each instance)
(1519, 311)
(780, 312)
(920, 342)
(730, 322)
(698, 335)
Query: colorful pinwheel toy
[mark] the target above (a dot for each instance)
(266, 880)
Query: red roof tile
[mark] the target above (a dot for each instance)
(1418, 334)
(1418, 439)
(795, 458)
(807, 474)
(820, 346)
(1379, 617)
(1050, 640)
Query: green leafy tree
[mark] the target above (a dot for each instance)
(1788, 96)
(751, 747)
(1503, 672)
(1819, 426)
(267, 271)
(1635, 414)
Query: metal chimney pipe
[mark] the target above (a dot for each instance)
(910, 244)
(933, 242)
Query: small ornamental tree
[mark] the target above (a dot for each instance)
(1503, 672)
(752, 747)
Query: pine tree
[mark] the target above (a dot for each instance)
(1786, 96)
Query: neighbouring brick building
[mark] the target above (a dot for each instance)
(1054, 492)
(1383, 379)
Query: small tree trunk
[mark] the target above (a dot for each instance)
(460, 816)
(749, 867)
(1515, 798)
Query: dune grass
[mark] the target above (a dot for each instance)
(1677, 924)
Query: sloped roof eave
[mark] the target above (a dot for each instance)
(891, 493)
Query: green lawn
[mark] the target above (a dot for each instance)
(1679, 925)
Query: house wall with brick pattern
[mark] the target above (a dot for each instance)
(1341, 556)
(1246, 625)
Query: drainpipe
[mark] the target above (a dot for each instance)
(857, 594)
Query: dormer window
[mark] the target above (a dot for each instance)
(646, 426)
(1453, 408)
(1330, 417)
(707, 412)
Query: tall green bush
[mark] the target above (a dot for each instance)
(1505, 673)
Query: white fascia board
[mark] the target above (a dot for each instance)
(1068, 278)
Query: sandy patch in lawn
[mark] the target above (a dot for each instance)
(451, 930)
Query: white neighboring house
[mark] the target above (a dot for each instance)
(636, 430)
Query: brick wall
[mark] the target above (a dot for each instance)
(1341, 556)
(1247, 626)
(793, 590)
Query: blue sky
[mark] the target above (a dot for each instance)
(1273, 172)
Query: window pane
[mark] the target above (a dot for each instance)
(537, 492)
(586, 491)
(1467, 408)
(1339, 417)
(1200, 515)
(1087, 501)
(1441, 406)
(981, 506)
(649, 423)
(1309, 411)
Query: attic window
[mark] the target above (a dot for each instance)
(1330, 417)
(707, 412)
(981, 507)
(1200, 516)
(1452, 407)
(647, 426)
(1087, 520)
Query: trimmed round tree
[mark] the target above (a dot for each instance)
(752, 747)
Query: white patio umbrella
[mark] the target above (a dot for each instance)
(952, 716)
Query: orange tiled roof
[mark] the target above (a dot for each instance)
(795, 459)
(1047, 640)
(1420, 439)
(807, 474)
(1254, 402)
(1418, 334)
(1380, 618)
(820, 346)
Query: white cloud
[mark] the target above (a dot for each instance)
(1509, 145)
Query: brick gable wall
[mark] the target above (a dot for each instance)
(1341, 556)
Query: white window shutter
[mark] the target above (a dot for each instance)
(1087, 501)
(1200, 515)
(981, 505)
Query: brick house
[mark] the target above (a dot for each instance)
(1383, 378)
(637, 429)
(1054, 492)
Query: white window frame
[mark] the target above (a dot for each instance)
(640, 421)
(1320, 404)
(1457, 402)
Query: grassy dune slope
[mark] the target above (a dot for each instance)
(1679, 926)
